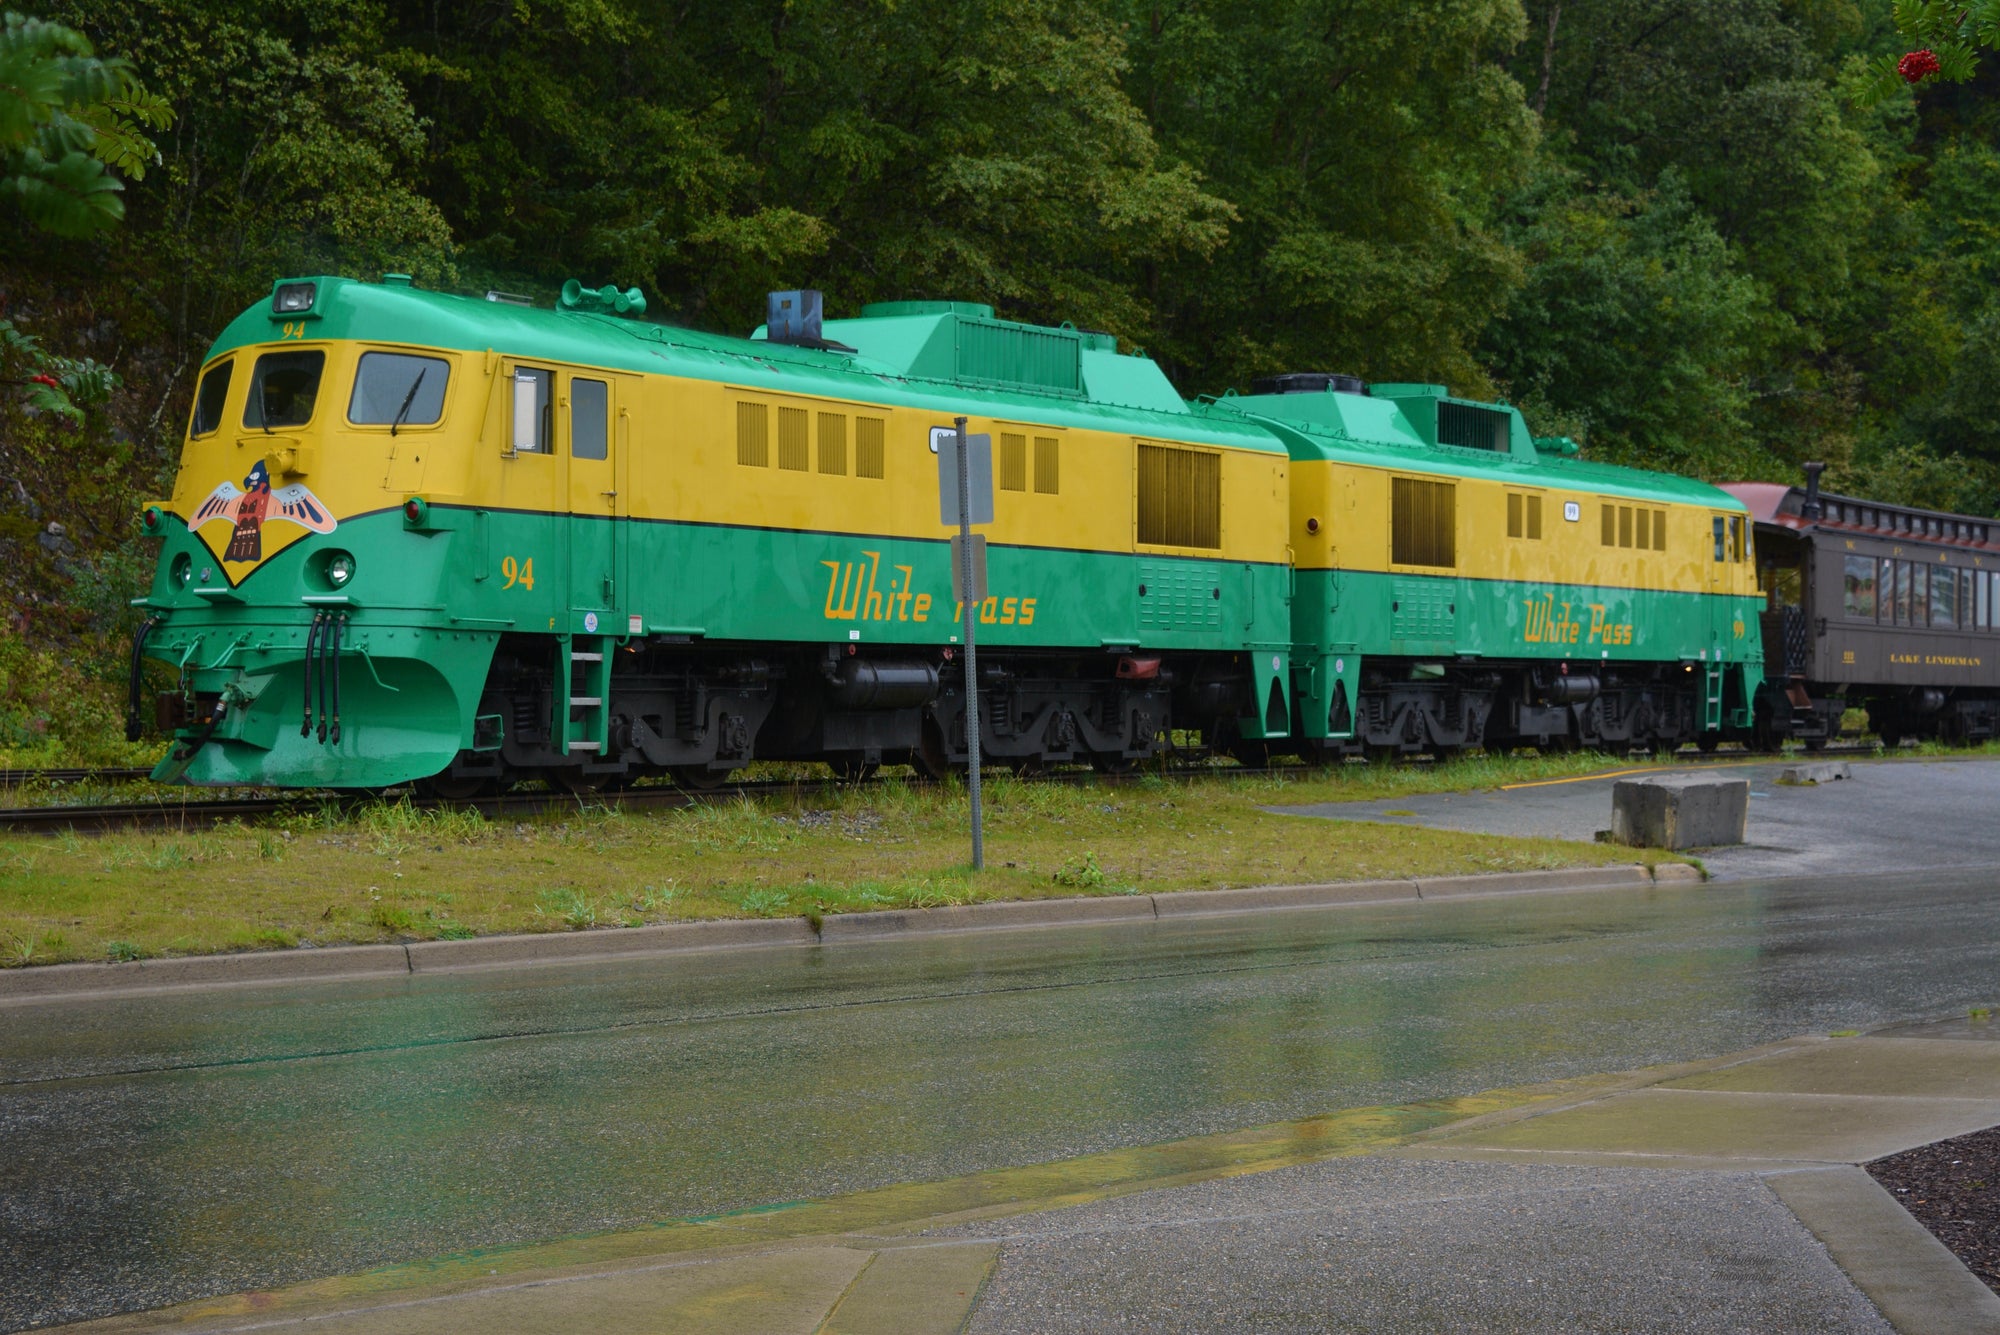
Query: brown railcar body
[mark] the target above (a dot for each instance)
(1883, 607)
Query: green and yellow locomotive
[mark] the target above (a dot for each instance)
(418, 536)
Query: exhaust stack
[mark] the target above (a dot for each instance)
(1812, 508)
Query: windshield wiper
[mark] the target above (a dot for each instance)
(408, 399)
(263, 410)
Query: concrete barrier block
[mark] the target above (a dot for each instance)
(1677, 873)
(1826, 772)
(1680, 811)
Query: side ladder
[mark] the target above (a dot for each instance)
(1711, 714)
(583, 699)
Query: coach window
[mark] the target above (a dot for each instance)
(532, 421)
(589, 419)
(1944, 597)
(208, 403)
(1858, 588)
(395, 389)
(282, 389)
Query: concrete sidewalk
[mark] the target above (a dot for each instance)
(1721, 1195)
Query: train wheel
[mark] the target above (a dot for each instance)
(930, 759)
(571, 779)
(1815, 743)
(1316, 752)
(445, 788)
(1110, 762)
(1707, 742)
(1251, 755)
(698, 778)
(853, 771)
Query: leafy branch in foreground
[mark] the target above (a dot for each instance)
(66, 118)
(1945, 38)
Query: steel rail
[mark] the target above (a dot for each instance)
(164, 813)
(15, 778)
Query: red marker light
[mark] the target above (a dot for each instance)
(413, 512)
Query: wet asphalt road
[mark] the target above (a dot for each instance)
(1886, 816)
(161, 1148)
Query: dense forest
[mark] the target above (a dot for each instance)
(1671, 229)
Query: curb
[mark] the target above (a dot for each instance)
(336, 963)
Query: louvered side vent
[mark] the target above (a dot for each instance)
(1013, 462)
(1019, 357)
(1180, 497)
(1473, 428)
(868, 446)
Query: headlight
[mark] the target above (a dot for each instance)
(181, 571)
(292, 297)
(339, 569)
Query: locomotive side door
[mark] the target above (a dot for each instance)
(596, 501)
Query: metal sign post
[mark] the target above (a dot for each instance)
(967, 592)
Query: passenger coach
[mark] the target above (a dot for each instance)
(1886, 608)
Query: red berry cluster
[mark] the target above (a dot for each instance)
(48, 380)
(1918, 66)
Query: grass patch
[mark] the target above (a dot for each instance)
(328, 875)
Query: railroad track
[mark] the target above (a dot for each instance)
(16, 778)
(99, 818)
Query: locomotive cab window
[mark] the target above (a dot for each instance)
(589, 419)
(530, 426)
(395, 389)
(283, 388)
(209, 400)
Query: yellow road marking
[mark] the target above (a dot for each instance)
(1647, 769)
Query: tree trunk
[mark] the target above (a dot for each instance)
(1548, 59)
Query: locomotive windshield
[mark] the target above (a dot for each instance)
(395, 389)
(208, 403)
(283, 388)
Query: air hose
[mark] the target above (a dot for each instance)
(133, 727)
(333, 662)
(312, 643)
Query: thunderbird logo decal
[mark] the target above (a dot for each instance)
(249, 508)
